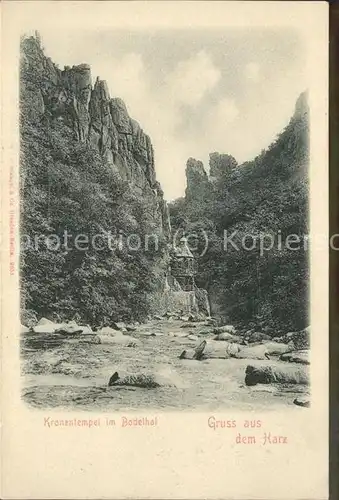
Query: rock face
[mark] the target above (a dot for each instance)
(302, 108)
(221, 165)
(95, 118)
(198, 185)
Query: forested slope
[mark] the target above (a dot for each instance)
(262, 200)
(88, 169)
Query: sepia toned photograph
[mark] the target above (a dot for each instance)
(164, 250)
(164, 191)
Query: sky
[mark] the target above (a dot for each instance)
(194, 91)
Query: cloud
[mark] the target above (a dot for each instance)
(252, 72)
(125, 77)
(158, 107)
(218, 121)
(185, 103)
(218, 131)
(225, 112)
(193, 78)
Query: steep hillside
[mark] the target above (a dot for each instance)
(87, 169)
(260, 201)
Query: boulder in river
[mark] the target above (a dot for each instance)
(195, 353)
(143, 380)
(123, 340)
(258, 337)
(120, 325)
(301, 356)
(302, 401)
(280, 340)
(45, 321)
(232, 349)
(150, 333)
(273, 374)
(179, 334)
(87, 330)
(300, 339)
(69, 328)
(138, 380)
(47, 326)
(276, 348)
(253, 352)
(131, 328)
(90, 339)
(210, 350)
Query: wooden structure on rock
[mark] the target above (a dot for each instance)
(183, 266)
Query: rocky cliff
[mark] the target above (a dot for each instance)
(198, 185)
(93, 116)
(86, 167)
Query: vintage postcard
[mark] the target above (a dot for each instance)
(164, 292)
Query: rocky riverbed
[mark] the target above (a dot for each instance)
(71, 371)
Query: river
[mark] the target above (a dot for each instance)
(74, 376)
